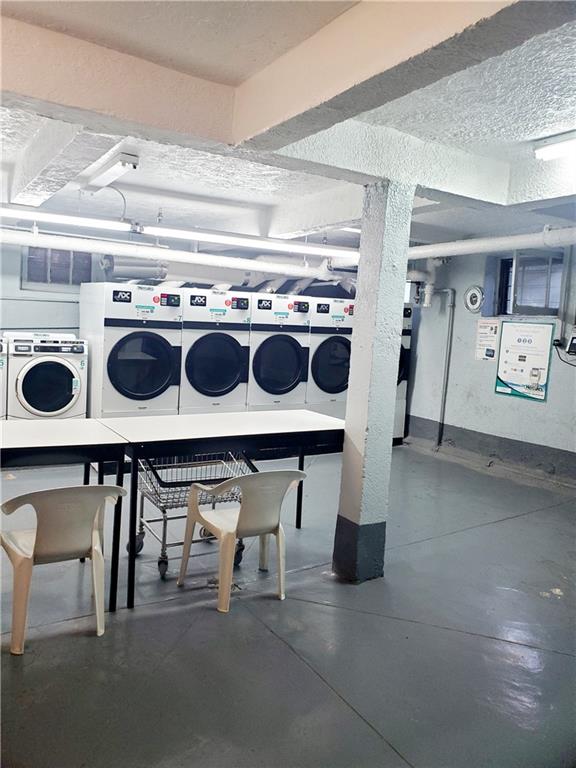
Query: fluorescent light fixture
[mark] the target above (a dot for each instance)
(70, 221)
(555, 147)
(354, 230)
(248, 241)
(112, 170)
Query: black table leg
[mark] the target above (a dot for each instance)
(116, 540)
(100, 473)
(86, 480)
(300, 492)
(132, 530)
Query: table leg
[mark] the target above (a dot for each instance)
(116, 540)
(132, 530)
(100, 473)
(86, 480)
(300, 492)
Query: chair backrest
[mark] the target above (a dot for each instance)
(66, 518)
(262, 497)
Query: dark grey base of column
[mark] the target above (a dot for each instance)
(358, 550)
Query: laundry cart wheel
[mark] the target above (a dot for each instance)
(139, 543)
(162, 566)
(239, 553)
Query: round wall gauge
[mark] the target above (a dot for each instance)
(474, 298)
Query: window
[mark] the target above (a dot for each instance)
(530, 283)
(56, 270)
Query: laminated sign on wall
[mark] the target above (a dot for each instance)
(524, 360)
(487, 339)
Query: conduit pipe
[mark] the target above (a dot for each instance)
(155, 253)
(447, 358)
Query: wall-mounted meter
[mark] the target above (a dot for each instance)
(474, 298)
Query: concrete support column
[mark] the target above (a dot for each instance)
(361, 525)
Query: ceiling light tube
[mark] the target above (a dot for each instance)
(46, 217)
(146, 251)
(249, 241)
(555, 147)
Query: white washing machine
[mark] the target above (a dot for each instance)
(279, 351)
(403, 374)
(47, 376)
(331, 323)
(215, 350)
(134, 332)
(3, 375)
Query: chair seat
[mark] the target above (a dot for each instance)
(20, 541)
(224, 519)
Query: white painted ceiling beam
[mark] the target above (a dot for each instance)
(318, 212)
(55, 156)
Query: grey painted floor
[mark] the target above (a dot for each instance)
(463, 655)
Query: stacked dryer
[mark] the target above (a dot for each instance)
(279, 351)
(330, 333)
(134, 332)
(215, 351)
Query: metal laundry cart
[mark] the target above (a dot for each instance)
(166, 482)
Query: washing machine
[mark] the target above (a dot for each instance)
(3, 374)
(330, 334)
(279, 351)
(215, 350)
(134, 332)
(403, 374)
(47, 376)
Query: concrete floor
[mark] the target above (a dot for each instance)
(463, 655)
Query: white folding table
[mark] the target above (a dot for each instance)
(257, 434)
(48, 442)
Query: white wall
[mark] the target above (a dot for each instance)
(472, 403)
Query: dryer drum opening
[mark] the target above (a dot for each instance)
(142, 365)
(280, 364)
(216, 364)
(331, 364)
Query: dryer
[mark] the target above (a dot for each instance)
(215, 350)
(134, 332)
(47, 376)
(279, 351)
(330, 333)
(403, 374)
(3, 374)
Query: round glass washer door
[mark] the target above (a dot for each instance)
(331, 364)
(215, 364)
(141, 365)
(277, 364)
(48, 386)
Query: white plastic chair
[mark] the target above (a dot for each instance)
(258, 515)
(68, 526)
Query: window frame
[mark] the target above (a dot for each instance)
(507, 292)
(50, 287)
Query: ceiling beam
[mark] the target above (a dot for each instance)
(318, 212)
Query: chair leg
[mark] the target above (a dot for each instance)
(263, 561)
(281, 546)
(188, 536)
(98, 587)
(225, 571)
(21, 593)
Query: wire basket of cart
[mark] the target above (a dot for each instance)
(165, 482)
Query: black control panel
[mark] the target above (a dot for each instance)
(123, 296)
(169, 300)
(264, 303)
(407, 311)
(301, 306)
(323, 309)
(197, 301)
(240, 302)
(76, 349)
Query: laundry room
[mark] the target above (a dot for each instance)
(288, 385)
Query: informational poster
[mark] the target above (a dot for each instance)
(487, 338)
(524, 360)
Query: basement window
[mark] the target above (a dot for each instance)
(530, 283)
(46, 269)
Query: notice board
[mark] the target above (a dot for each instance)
(524, 360)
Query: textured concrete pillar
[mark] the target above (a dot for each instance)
(361, 525)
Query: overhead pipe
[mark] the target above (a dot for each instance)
(155, 253)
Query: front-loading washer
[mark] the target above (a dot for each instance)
(403, 375)
(3, 375)
(279, 351)
(47, 376)
(331, 322)
(215, 350)
(134, 332)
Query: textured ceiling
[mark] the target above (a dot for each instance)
(225, 42)
(490, 109)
